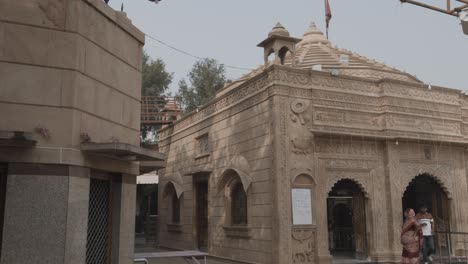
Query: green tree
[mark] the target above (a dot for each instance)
(205, 78)
(156, 79)
(155, 82)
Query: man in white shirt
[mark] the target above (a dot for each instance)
(426, 221)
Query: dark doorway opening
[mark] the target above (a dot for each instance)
(347, 221)
(425, 190)
(3, 183)
(99, 234)
(201, 192)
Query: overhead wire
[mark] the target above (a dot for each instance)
(192, 55)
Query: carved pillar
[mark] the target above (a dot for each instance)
(281, 183)
(359, 224)
(323, 252)
(394, 202)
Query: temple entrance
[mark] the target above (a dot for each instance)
(201, 192)
(347, 220)
(424, 190)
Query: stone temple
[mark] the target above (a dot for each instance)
(312, 156)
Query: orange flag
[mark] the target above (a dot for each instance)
(328, 14)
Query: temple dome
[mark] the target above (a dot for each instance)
(279, 30)
(315, 51)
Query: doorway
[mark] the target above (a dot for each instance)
(99, 233)
(425, 190)
(201, 200)
(347, 221)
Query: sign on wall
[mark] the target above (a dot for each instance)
(301, 206)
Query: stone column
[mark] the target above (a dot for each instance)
(77, 215)
(281, 185)
(394, 207)
(123, 217)
(323, 252)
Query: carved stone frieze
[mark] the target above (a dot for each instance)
(420, 93)
(367, 148)
(348, 164)
(324, 116)
(303, 248)
(346, 97)
(420, 124)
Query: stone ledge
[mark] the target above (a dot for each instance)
(237, 231)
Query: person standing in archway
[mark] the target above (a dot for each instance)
(426, 221)
(411, 238)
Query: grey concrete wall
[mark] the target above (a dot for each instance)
(35, 225)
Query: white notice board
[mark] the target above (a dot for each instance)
(301, 206)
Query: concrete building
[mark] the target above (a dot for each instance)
(314, 155)
(70, 78)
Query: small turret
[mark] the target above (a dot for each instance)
(279, 42)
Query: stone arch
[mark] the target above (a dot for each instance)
(282, 52)
(237, 167)
(297, 174)
(361, 187)
(439, 172)
(438, 180)
(268, 52)
(176, 181)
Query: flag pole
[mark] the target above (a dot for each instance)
(328, 15)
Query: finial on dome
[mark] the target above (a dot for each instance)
(313, 35)
(279, 30)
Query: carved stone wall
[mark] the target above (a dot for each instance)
(378, 134)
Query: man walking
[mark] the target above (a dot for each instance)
(426, 221)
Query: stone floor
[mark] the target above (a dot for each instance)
(141, 246)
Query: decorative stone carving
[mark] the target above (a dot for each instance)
(303, 248)
(298, 108)
(303, 145)
(346, 147)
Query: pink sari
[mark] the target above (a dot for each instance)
(411, 238)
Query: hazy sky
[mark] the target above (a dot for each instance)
(425, 43)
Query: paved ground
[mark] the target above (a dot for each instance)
(142, 247)
(174, 260)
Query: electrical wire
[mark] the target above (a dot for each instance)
(191, 55)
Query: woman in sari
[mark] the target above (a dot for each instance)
(411, 237)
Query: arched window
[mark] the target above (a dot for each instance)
(175, 208)
(238, 205)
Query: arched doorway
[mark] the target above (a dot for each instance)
(425, 190)
(347, 220)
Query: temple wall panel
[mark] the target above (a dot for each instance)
(244, 134)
